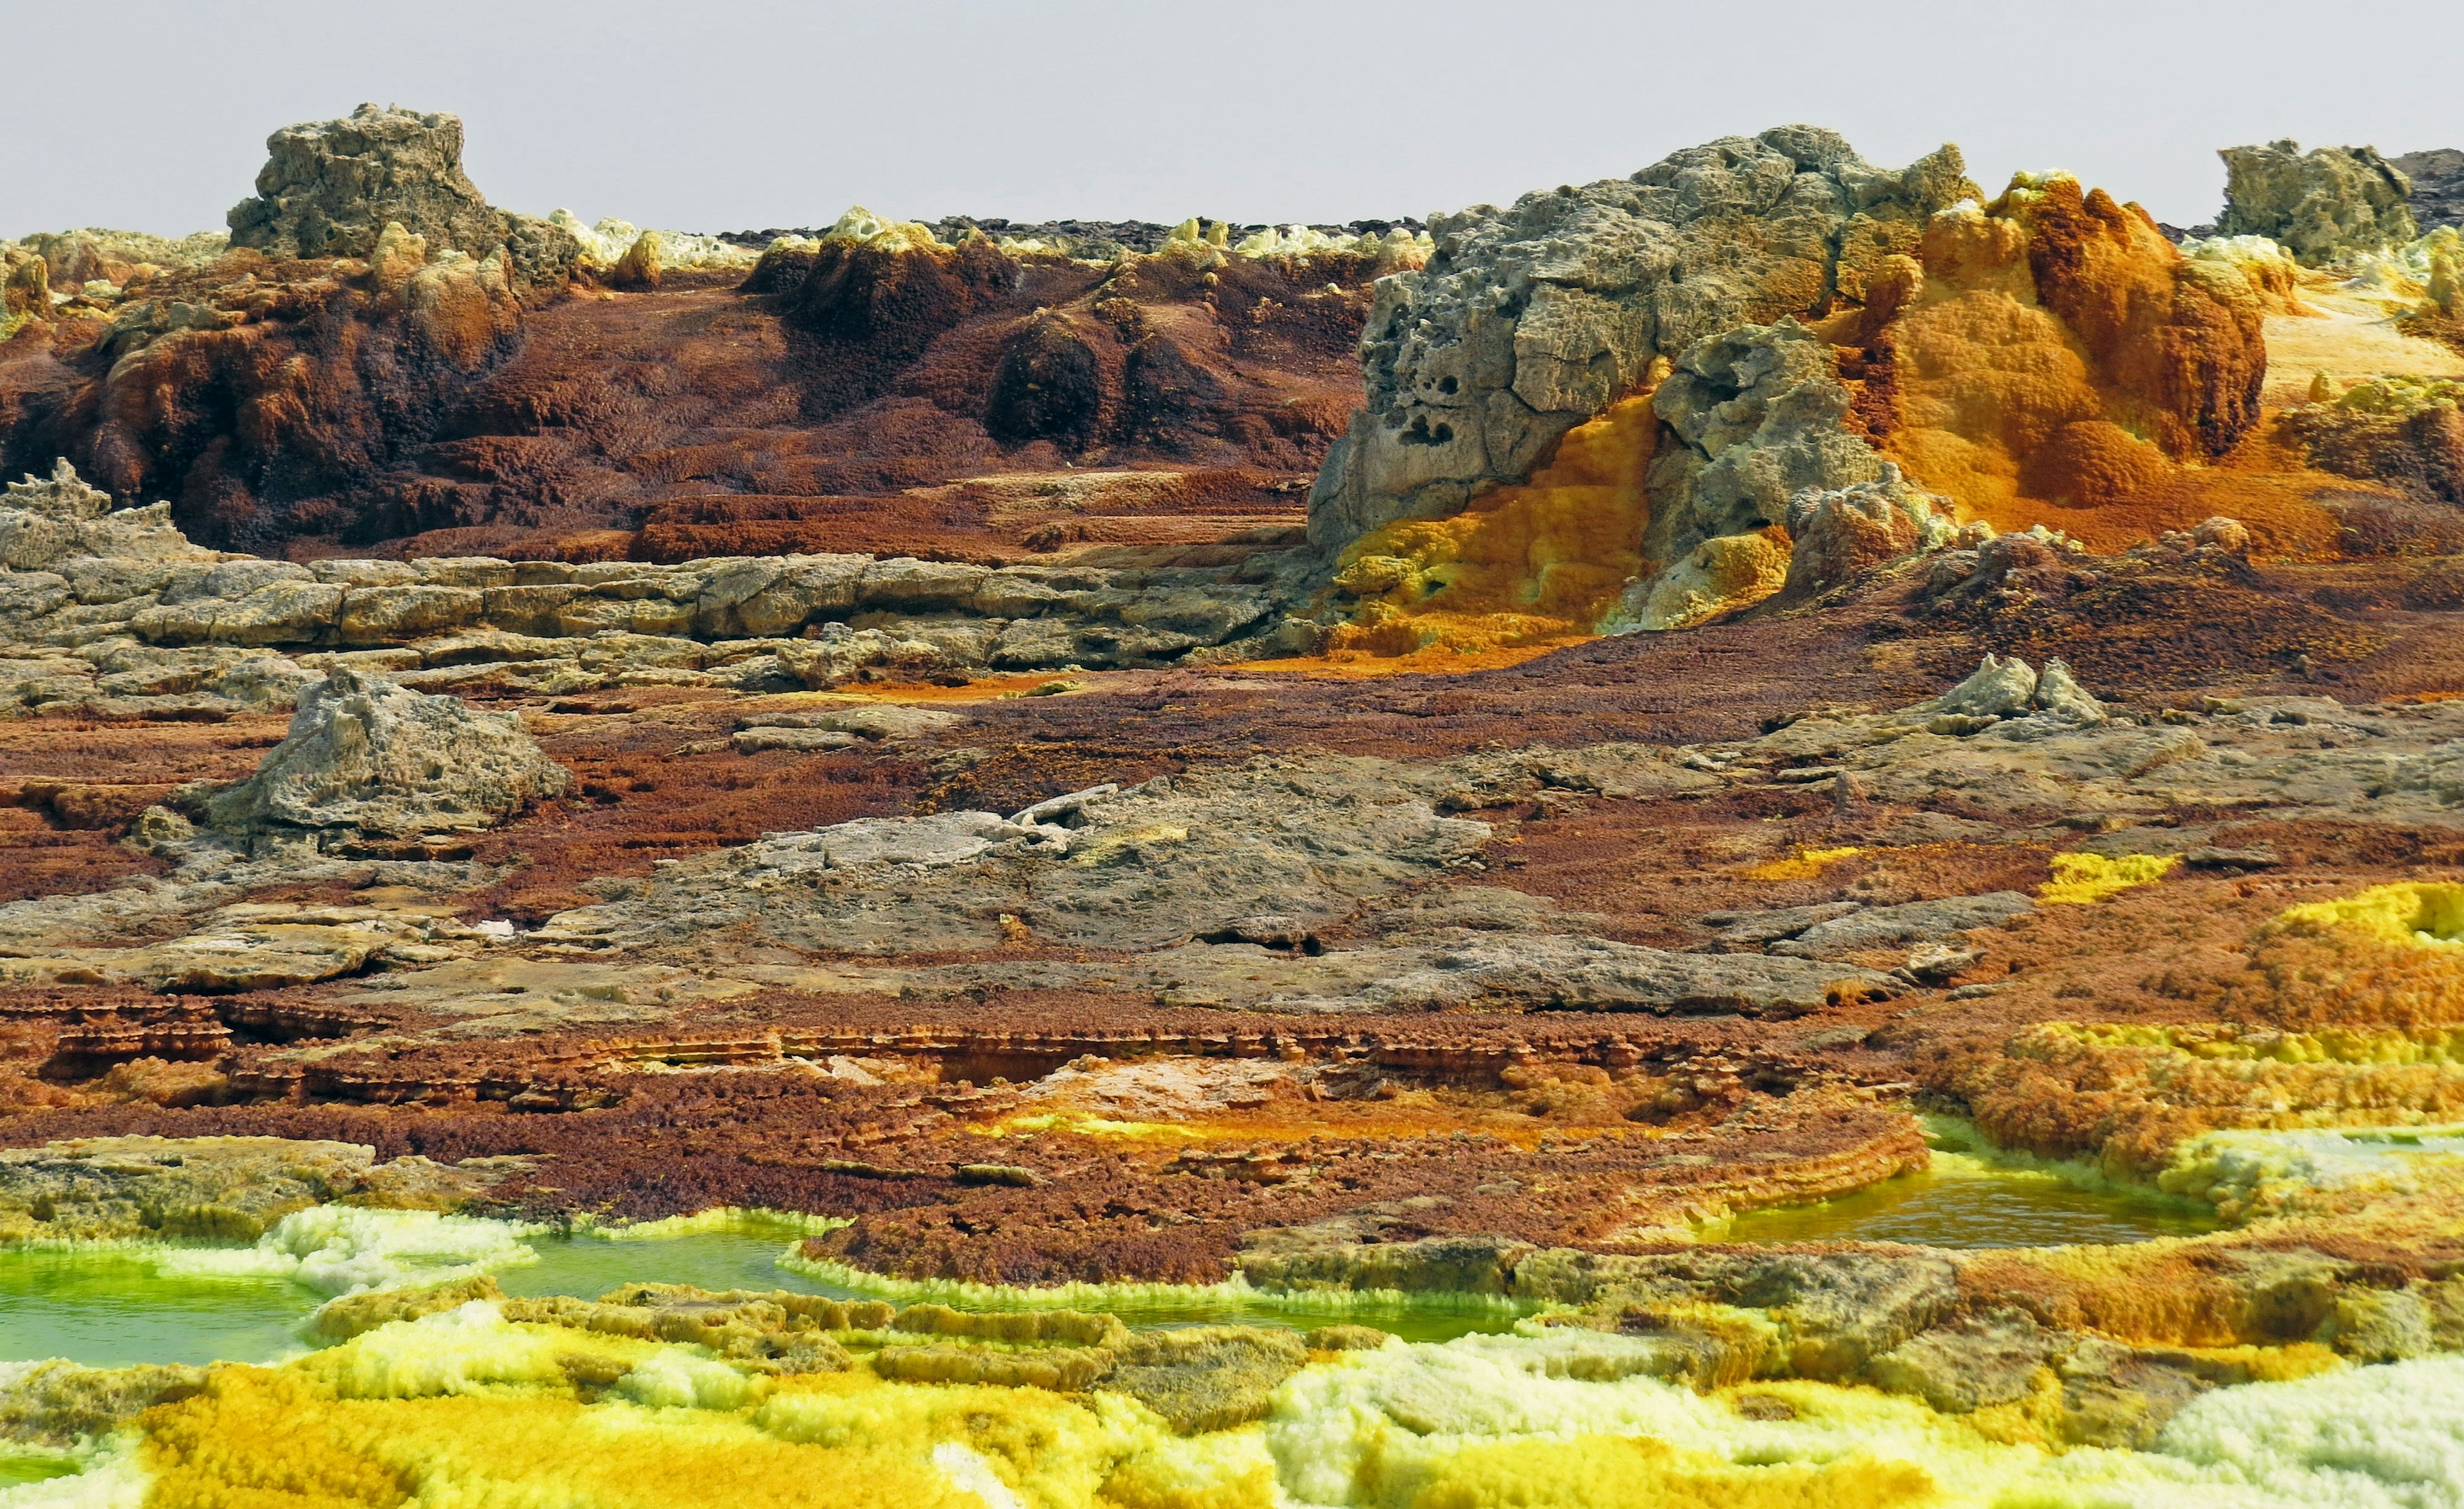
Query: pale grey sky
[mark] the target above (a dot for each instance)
(152, 116)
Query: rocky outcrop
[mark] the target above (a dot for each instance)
(2047, 355)
(118, 613)
(330, 187)
(2328, 204)
(2406, 431)
(1529, 321)
(47, 523)
(1759, 412)
(1145, 868)
(366, 756)
(2437, 178)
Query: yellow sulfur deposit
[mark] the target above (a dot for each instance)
(465, 1408)
(2080, 879)
(1803, 865)
(1524, 564)
(2427, 914)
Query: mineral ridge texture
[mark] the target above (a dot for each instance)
(1829, 875)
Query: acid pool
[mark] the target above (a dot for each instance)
(1971, 1198)
(114, 1306)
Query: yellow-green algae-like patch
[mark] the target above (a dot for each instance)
(2425, 914)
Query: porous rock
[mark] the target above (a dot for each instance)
(365, 756)
(329, 188)
(1759, 410)
(2327, 205)
(1529, 321)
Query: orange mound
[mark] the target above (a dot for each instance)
(2053, 359)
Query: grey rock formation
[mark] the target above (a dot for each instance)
(46, 522)
(366, 756)
(2326, 204)
(2012, 688)
(330, 187)
(1207, 1378)
(1147, 867)
(85, 593)
(2437, 178)
(1530, 320)
(1913, 922)
(1759, 410)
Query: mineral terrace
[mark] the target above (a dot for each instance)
(1285, 865)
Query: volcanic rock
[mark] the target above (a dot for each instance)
(2437, 178)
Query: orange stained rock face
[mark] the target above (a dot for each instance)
(2055, 361)
(1537, 561)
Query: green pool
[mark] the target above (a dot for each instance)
(1972, 1197)
(111, 1307)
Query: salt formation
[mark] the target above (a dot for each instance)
(366, 756)
(2326, 204)
(1529, 321)
(329, 189)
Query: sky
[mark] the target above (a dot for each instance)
(721, 117)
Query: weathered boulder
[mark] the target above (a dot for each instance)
(365, 756)
(1529, 321)
(2327, 203)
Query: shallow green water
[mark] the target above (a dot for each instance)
(1952, 1205)
(15, 1470)
(111, 1308)
(108, 1309)
(590, 1266)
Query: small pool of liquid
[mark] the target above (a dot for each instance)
(112, 1309)
(1970, 1202)
(17, 1470)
